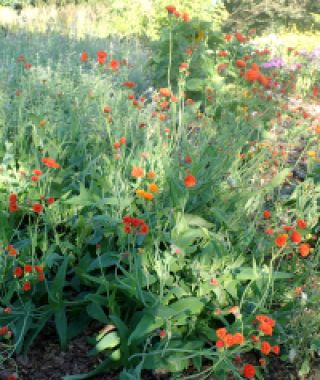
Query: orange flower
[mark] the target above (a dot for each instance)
(265, 348)
(190, 181)
(304, 249)
(153, 188)
(255, 66)
(151, 174)
(265, 328)
(252, 75)
(281, 240)
(234, 310)
(238, 338)
(221, 332)
(148, 196)
(51, 163)
(165, 92)
(228, 340)
(137, 172)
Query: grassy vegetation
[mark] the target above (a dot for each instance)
(165, 186)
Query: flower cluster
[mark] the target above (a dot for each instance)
(135, 225)
(172, 10)
(13, 203)
(292, 232)
(228, 340)
(27, 271)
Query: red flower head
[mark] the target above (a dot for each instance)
(37, 207)
(84, 56)
(185, 17)
(114, 65)
(276, 349)
(129, 84)
(101, 56)
(281, 240)
(18, 272)
(28, 268)
(296, 237)
(27, 286)
(267, 214)
(37, 172)
(11, 377)
(223, 53)
(190, 181)
(219, 344)
(50, 200)
(240, 63)
(144, 229)
(38, 269)
(171, 8)
(249, 371)
(240, 37)
(301, 224)
(13, 198)
(188, 159)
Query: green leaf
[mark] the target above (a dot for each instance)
(191, 304)
(106, 260)
(145, 326)
(195, 84)
(195, 220)
(55, 293)
(61, 327)
(95, 311)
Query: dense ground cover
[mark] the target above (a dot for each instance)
(166, 191)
